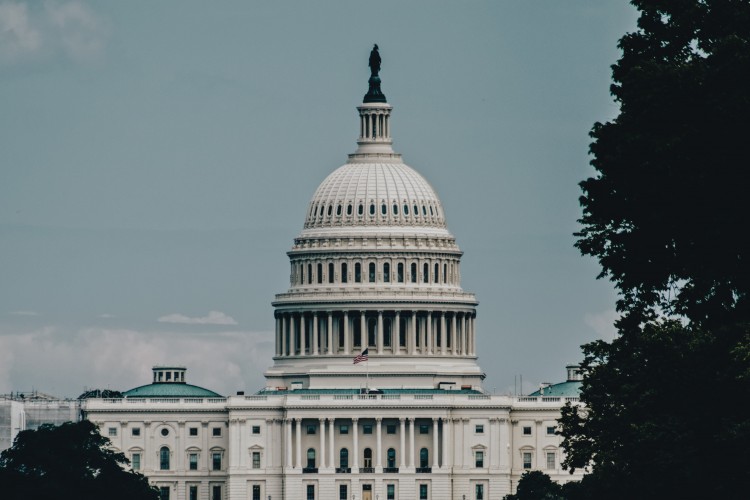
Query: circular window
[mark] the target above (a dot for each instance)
(165, 432)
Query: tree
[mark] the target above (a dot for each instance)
(68, 461)
(665, 215)
(536, 485)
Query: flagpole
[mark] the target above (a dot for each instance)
(367, 380)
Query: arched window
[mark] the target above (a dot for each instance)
(164, 458)
(413, 272)
(426, 273)
(338, 209)
(330, 272)
(372, 209)
(358, 272)
(330, 210)
(437, 273)
(402, 332)
(416, 210)
(344, 458)
(400, 272)
(357, 334)
(368, 457)
(431, 211)
(383, 209)
(406, 209)
(424, 458)
(424, 210)
(309, 274)
(445, 273)
(390, 458)
(395, 209)
(311, 458)
(302, 274)
(372, 332)
(344, 272)
(387, 272)
(360, 210)
(349, 209)
(320, 273)
(372, 272)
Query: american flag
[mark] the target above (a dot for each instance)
(361, 357)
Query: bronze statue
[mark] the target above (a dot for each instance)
(374, 61)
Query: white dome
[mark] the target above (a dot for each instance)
(375, 194)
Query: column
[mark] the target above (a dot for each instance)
(298, 442)
(302, 333)
(331, 447)
(402, 448)
(355, 437)
(329, 332)
(495, 443)
(454, 340)
(446, 442)
(284, 330)
(380, 332)
(269, 442)
(278, 336)
(315, 334)
(289, 442)
(465, 338)
(504, 444)
(473, 335)
(466, 451)
(411, 443)
(363, 330)
(429, 340)
(379, 448)
(443, 334)
(322, 452)
(413, 334)
(396, 337)
(347, 349)
(435, 465)
(292, 335)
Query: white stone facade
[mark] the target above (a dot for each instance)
(374, 268)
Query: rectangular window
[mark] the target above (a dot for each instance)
(479, 459)
(216, 432)
(216, 461)
(135, 431)
(310, 492)
(479, 492)
(367, 429)
(479, 429)
(551, 431)
(551, 460)
(193, 493)
(112, 431)
(311, 429)
(423, 492)
(256, 460)
(527, 431)
(193, 431)
(390, 492)
(343, 492)
(527, 460)
(390, 428)
(424, 429)
(256, 429)
(163, 492)
(343, 429)
(193, 461)
(216, 492)
(135, 461)
(256, 492)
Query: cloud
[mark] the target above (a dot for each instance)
(24, 313)
(63, 362)
(603, 323)
(106, 316)
(67, 28)
(213, 318)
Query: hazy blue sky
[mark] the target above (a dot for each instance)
(157, 158)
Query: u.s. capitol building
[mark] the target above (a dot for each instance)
(375, 274)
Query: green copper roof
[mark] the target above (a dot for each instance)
(569, 389)
(170, 390)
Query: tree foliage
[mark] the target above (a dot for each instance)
(68, 461)
(665, 216)
(536, 485)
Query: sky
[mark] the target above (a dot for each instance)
(157, 159)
